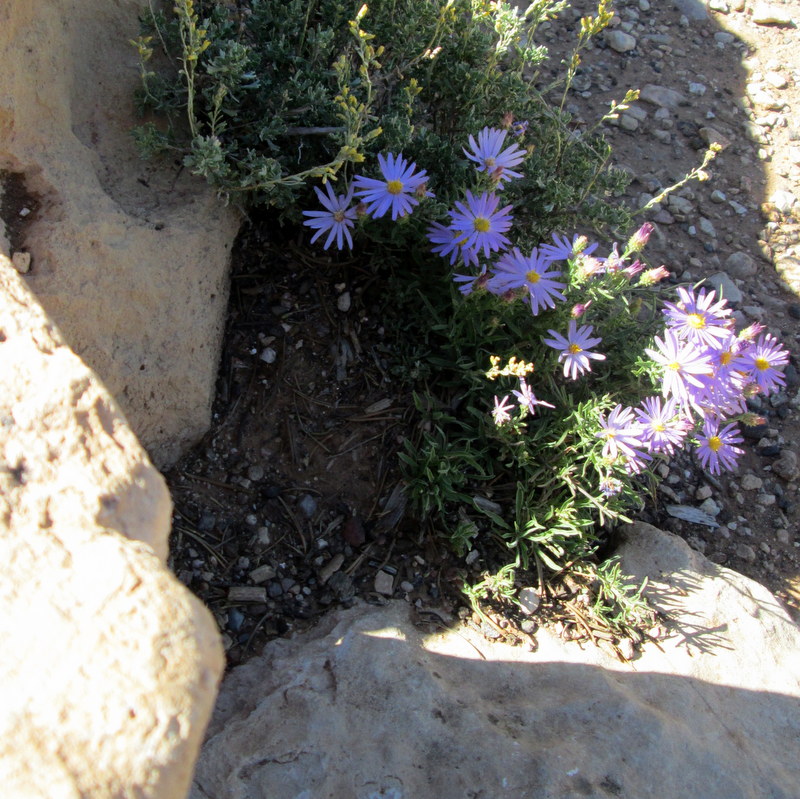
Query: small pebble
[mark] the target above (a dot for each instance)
(384, 583)
(529, 601)
(746, 552)
(307, 505)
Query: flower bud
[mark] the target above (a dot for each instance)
(652, 276)
(579, 309)
(751, 331)
(637, 241)
(633, 269)
(752, 419)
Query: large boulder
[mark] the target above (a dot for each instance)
(110, 666)
(368, 706)
(130, 259)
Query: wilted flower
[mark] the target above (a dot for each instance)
(468, 283)
(610, 486)
(527, 399)
(501, 413)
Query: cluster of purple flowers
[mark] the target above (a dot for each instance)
(401, 188)
(707, 371)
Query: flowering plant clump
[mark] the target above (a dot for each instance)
(571, 426)
(549, 378)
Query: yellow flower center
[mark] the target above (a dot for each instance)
(489, 161)
(533, 276)
(659, 427)
(481, 224)
(714, 443)
(725, 358)
(762, 364)
(574, 349)
(675, 366)
(394, 186)
(696, 320)
(338, 216)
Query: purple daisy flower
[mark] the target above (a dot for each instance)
(399, 191)
(517, 271)
(575, 348)
(480, 224)
(727, 357)
(336, 220)
(621, 435)
(718, 396)
(698, 319)
(761, 361)
(564, 248)
(527, 399)
(489, 156)
(716, 448)
(449, 242)
(663, 428)
(682, 363)
(501, 412)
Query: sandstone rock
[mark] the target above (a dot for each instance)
(366, 705)
(109, 666)
(771, 14)
(129, 258)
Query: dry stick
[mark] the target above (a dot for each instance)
(357, 562)
(217, 483)
(255, 630)
(307, 431)
(203, 543)
(296, 524)
(356, 446)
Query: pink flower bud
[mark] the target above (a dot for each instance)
(637, 241)
(579, 309)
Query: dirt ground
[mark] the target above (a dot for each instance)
(293, 502)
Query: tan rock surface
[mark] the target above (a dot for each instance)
(129, 259)
(110, 666)
(366, 705)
